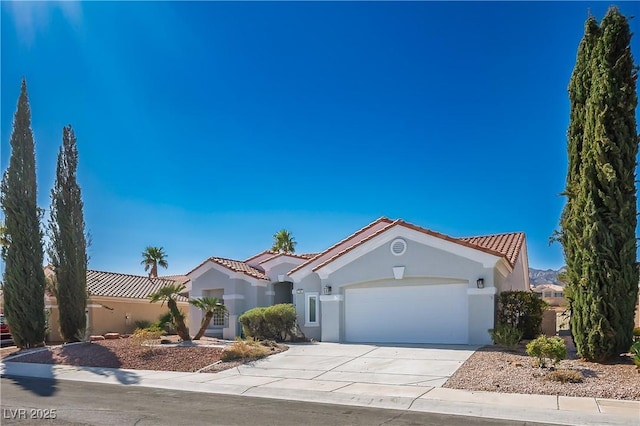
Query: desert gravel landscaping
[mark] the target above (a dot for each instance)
(497, 369)
(128, 354)
(491, 368)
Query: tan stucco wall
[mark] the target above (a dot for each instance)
(110, 316)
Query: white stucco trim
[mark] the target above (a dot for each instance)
(486, 259)
(487, 291)
(232, 297)
(94, 305)
(280, 259)
(503, 267)
(332, 298)
(307, 320)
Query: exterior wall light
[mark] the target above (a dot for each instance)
(326, 289)
(480, 282)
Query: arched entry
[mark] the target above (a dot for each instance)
(283, 292)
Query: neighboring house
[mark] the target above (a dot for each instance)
(556, 316)
(551, 293)
(390, 281)
(116, 301)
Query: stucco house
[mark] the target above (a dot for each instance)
(390, 281)
(553, 294)
(116, 301)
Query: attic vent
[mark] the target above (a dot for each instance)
(398, 246)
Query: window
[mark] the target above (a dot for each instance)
(558, 294)
(311, 310)
(219, 319)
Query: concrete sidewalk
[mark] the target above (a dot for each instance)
(361, 375)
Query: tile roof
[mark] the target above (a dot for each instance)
(542, 287)
(112, 284)
(508, 245)
(262, 253)
(502, 245)
(340, 245)
(178, 279)
(305, 256)
(239, 266)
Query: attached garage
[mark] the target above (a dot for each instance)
(434, 313)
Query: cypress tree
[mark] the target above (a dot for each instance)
(599, 239)
(579, 89)
(24, 281)
(68, 246)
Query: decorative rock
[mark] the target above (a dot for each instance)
(94, 338)
(112, 336)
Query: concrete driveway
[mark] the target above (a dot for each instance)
(403, 371)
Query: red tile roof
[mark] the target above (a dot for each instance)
(383, 221)
(239, 266)
(112, 284)
(502, 245)
(299, 256)
(508, 245)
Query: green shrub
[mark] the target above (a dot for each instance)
(565, 376)
(544, 348)
(635, 352)
(506, 335)
(281, 320)
(275, 322)
(522, 309)
(636, 334)
(146, 335)
(253, 323)
(166, 323)
(143, 324)
(244, 349)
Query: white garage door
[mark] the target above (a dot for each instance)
(407, 314)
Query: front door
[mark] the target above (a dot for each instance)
(283, 293)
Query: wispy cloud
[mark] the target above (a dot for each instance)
(32, 18)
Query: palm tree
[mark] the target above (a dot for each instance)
(151, 258)
(210, 306)
(283, 242)
(168, 294)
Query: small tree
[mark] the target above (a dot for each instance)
(152, 257)
(210, 306)
(68, 243)
(24, 281)
(169, 294)
(283, 242)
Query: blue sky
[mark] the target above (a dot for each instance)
(205, 127)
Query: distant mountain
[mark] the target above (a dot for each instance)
(542, 276)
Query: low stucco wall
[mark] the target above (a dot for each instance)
(549, 324)
(107, 316)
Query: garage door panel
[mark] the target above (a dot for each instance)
(407, 314)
